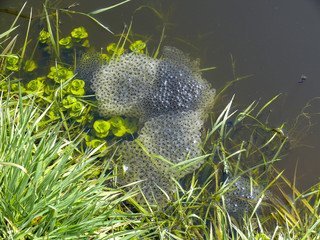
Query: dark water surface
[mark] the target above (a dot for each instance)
(275, 41)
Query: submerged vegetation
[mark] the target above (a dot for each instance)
(58, 167)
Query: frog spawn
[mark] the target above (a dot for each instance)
(121, 86)
(170, 98)
(238, 200)
(135, 85)
(175, 137)
(177, 86)
(137, 166)
(87, 65)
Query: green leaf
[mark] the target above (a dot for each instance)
(119, 132)
(116, 122)
(30, 66)
(68, 101)
(44, 36)
(76, 109)
(36, 85)
(114, 49)
(76, 87)
(137, 46)
(67, 42)
(101, 128)
(79, 33)
(12, 62)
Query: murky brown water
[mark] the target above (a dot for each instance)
(276, 41)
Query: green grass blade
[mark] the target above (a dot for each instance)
(160, 42)
(53, 42)
(107, 8)
(267, 104)
(17, 17)
(6, 33)
(26, 39)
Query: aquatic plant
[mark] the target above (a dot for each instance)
(66, 42)
(122, 126)
(59, 73)
(76, 87)
(30, 65)
(44, 37)
(13, 63)
(60, 84)
(101, 128)
(78, 38)
(79, 33)
(137, 46)
(114, 49)
(36, 85)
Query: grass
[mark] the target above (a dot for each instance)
(53, 188)
(47, 188)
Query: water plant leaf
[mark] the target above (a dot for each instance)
(119, 132)
(13, 63)
(79, 33)
(68, 101)
(44, 36)
(67, 42)
(30, 65)
(113, 49)
(137, 46)
(36, 85)
(101, 128)
(76, 87)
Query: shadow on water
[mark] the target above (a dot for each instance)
(277, 42)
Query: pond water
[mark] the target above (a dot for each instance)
(276, 42)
